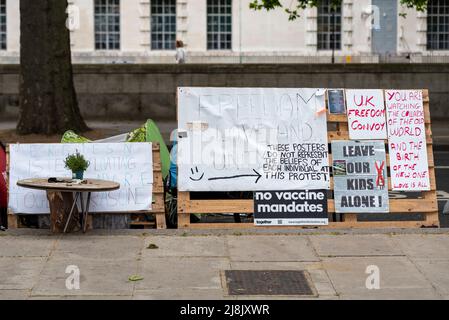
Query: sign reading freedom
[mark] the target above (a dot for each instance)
(246, 139)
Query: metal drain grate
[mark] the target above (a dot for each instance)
(269, 283)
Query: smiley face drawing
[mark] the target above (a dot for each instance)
(195, 174)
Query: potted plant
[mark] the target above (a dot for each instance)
(77, 164)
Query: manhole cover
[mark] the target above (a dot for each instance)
(269, 283)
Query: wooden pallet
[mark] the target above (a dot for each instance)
(427, 204)
(158, 206)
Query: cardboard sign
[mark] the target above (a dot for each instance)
(366, 114)
(407, 140)
(247, 139)
(130, 164)
(290, 208)
(360, 176)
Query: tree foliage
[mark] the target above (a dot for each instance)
(297, 5)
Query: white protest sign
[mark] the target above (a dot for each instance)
(366, 114)
(249, 139)
(360, 176)
(130, 164)
(407, 140)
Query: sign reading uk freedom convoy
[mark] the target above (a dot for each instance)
(290, 208)
(366, 114)
(360, 176)
(248, 139)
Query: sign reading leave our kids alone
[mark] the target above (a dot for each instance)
(407, 140)
(366, 114)
(360, 176)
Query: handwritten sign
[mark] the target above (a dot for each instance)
(130, 164)
(366, 114)
(290, 208)
(407, 140)
(248, 139)
(360, 176)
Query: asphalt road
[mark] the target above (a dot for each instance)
(441, 155)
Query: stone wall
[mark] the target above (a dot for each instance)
(136, 92)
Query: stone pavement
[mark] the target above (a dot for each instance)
(413, 264)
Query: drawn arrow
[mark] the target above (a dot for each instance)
(306, 102)
(257, 174)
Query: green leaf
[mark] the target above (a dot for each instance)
(296, 5)
(152, 246)
(135, 277)
(76, 162)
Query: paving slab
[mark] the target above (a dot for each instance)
(20, 273)
(396, 273)
(98, 247)
(177, 294)
(26, 246)
(81, 297)
(98, 277)
(270, 248)
(208, 246)
(14, 294)
(191, 267)
(424, 246)
(437, 272)
(394, 294)
(286, 298)
(355, 245)
(182, 273)
(318, 275)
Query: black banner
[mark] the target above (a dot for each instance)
(290, 208)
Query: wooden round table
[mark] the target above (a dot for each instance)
(64, 194)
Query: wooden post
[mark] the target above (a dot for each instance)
(13, 220)
(158, 188)
(160, 221)
(432, 218)
(183, 210)
(60, 205)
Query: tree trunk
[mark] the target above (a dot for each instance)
(48, 102)
(60, 205)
